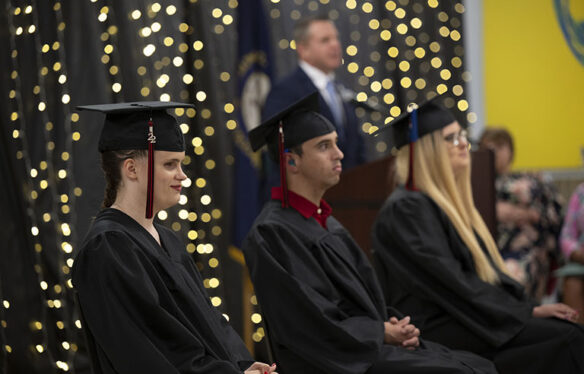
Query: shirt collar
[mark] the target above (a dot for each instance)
(306, 208)
(317, 76)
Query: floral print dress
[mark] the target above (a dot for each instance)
(530, 249)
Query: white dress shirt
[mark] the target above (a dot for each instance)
(320, 79)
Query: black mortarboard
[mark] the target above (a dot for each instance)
(414, 123)
(301, 122)
(126, 125)
(140, 125)
(292, 126)
(431, 116)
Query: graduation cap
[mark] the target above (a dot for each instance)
(415, 122)
(140, 125)
(290, 127)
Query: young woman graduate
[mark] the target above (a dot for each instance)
(438, 262)
(144, 305)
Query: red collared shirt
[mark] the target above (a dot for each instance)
(306, 208)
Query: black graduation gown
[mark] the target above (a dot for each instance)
(323, 305)
(426, 270)
(144, 306)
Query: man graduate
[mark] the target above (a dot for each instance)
(324, 308)
(144, 305)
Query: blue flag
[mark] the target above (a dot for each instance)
(254, 76)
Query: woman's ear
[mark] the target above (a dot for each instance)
(129, 169)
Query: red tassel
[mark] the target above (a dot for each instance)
(150, 188)
(283, 182)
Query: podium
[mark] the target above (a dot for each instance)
(359, 195)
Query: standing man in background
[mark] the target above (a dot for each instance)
(319, 55)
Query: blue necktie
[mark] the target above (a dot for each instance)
(335, 107)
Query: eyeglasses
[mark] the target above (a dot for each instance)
(456, 138)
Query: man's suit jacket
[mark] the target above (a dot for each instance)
(297, 85)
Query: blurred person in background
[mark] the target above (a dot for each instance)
(319, 54)
(529, 218)
(572, 243)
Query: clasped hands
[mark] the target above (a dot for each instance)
(401, 333)
(261, 368)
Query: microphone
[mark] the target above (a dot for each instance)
(350, 96)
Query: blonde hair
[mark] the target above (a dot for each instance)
(433, 175)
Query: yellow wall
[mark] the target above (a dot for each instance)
(534, 85)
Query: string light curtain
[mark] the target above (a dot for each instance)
(39, 318)
(59, 54)
(63, 54)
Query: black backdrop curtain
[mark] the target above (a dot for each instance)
(59, 54)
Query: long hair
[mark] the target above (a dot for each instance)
(433, 175)
(111, 162)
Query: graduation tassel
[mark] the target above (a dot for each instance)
(410, 185)
(283, 182)
(150, 188)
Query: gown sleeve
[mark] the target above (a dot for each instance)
(120, 303)
(411, 234)
(318, 330)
